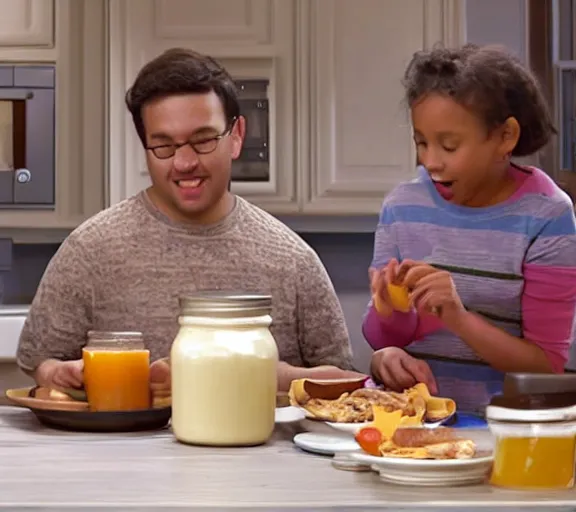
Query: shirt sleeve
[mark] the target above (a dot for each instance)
(399, 329)
(61, 311)
(322, 333)
(549, 297)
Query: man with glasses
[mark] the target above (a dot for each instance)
(124, 269)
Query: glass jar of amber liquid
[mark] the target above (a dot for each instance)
(224, 370)
(116, 371)
(534, 449)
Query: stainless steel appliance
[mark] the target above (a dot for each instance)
(254, 162)
(27, 136)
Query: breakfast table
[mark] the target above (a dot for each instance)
(43, 469)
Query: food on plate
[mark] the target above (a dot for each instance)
(399, 297)
(78, 395)
(369, 439)
(356, 407)
(417, 438)
(349, 402)
(302, 390)
(50, 394)
(437, 408)
(390, 436)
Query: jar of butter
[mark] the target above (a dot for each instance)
(224, 370)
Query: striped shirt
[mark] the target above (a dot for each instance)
(514, 264)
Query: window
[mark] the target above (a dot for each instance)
(564, 63)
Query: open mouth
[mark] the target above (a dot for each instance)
(442, 183)
(190, 184)
(444, 187)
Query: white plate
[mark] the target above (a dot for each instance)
(349, 428)
(428, 472)
(325, 444)
(289, 414)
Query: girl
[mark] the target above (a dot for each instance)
(487, 248)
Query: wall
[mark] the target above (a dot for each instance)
(347, 257)
(498, 21)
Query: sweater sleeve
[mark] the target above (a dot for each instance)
(399, 329)
(549, 297)
(322, 333)
(61, 312)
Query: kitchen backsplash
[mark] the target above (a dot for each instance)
(28, 264)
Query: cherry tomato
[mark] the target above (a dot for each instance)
(369, 439)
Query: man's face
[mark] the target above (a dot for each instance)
(191, 185)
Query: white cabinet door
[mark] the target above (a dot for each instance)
(360, 137)
(25, 23)
(251, 38)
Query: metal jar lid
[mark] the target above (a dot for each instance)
(225, 303)
(115, 335)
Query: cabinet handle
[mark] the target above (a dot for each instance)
(23, 176)
(15, 94)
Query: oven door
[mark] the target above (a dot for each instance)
(27, 137)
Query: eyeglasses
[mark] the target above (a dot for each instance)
(201, 147)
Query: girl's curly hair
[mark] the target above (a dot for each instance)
(491, 82)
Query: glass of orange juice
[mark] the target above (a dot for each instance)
(116, 371)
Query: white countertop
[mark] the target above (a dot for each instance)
(14, 309)
(44, 470)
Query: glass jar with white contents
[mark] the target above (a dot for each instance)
(224, 370)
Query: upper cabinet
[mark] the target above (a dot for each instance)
(52, 98)
(254, 39)
(25, 23)
(360, 138)
(340, 136)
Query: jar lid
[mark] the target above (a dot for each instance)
(114, 335)
(539, 383)
(506, 414)
(225, 302)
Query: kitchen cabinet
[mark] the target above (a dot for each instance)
(27, 136)
(252, 38)
(78, 57)
(340, 134)
(360, 139)
(26, 23)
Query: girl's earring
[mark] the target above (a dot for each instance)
(507, 157)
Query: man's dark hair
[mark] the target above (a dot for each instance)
(181, 71)
(491, 82)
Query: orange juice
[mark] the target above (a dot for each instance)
(117, 380)
(534, 462)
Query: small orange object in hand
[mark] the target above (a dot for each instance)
(388, 291)
(369, 439)
(399, 297)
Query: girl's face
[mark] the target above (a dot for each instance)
(467, 162)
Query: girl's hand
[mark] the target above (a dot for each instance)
(432, 291)
(398, 370)
(379, 280)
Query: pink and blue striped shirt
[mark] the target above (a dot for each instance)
(513, 263)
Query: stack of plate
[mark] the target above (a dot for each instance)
(430, 473)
